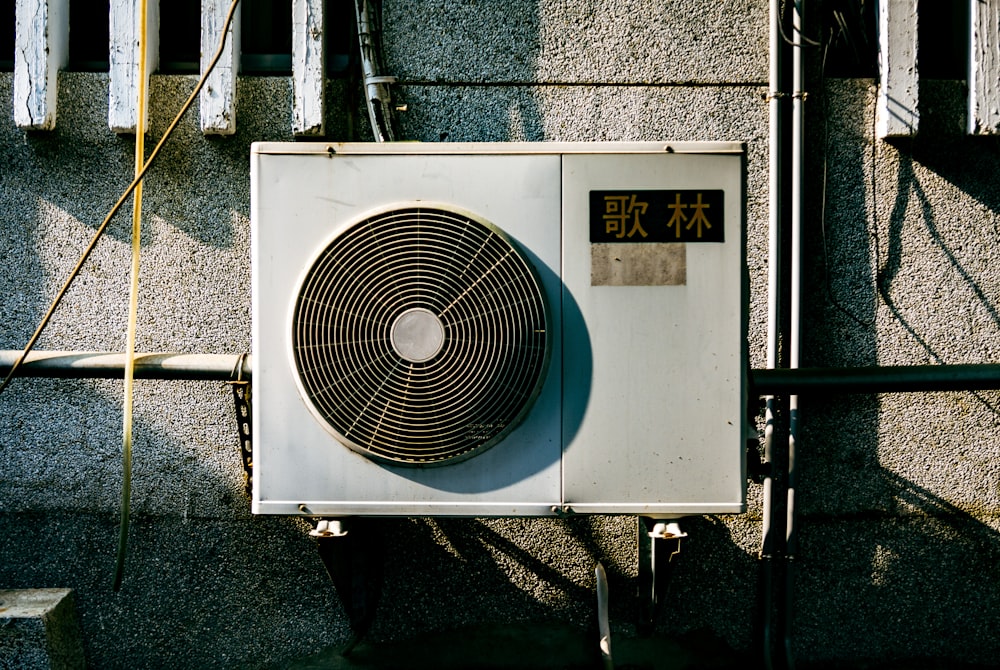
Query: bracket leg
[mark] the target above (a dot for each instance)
(351, 550)
(659, 542)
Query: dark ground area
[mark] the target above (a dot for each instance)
(558, 646)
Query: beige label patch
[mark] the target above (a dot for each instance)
(638, 264)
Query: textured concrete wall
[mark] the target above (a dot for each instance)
(899, 494)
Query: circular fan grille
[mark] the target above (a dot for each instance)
(420, 336)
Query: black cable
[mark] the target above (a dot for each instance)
(784, 36)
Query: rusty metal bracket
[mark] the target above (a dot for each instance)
(244, 420)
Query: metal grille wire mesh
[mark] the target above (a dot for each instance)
(485, 372)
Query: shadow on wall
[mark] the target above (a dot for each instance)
(505, 571)
(969, 165)
(914, 583)
(57, 187)
(898, 492)
(82, 166)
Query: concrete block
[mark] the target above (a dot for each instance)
(39, 629)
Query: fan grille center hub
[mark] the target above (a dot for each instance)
(417, 335)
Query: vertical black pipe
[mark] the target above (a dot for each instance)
(772, 600)
(771, 595)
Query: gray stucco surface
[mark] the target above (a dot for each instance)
(899, 494)
(620, 42)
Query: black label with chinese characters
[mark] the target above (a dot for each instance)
(657, 216)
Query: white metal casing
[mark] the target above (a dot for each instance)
(643, 408)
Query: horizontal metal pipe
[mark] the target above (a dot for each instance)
(888, 379)
(891, 379)
(104, 365)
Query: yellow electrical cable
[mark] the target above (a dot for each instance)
(140, 173)
(133, 303)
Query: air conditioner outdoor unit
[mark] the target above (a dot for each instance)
(502, 329)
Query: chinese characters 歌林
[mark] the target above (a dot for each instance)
(657, 216)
